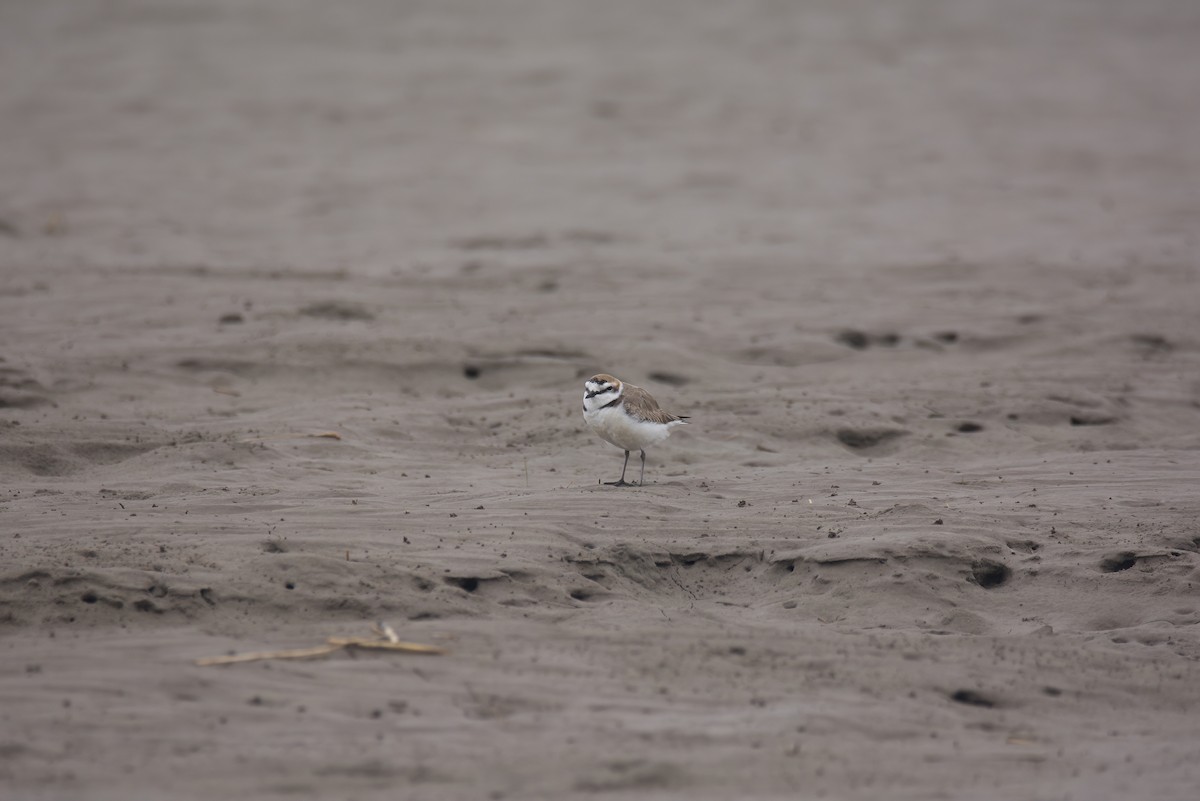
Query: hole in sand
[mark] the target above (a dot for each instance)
(672, 379)
(990, 574)
(468, 583)
(1116, 562)
(859, 438)
(471, 371)
(889, 340)
(973, 698)
(89, 597)
(1091, 420)
(337, 310)
(853, 338)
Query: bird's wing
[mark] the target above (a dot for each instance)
(641, 405)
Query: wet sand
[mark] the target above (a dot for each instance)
(924, 276)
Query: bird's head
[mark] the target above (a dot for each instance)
(600, 390)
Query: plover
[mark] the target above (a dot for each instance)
(626, 416)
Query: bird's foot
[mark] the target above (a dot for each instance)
(621, 483)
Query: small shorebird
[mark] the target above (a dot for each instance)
(626, 416)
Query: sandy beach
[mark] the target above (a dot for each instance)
(297, 300)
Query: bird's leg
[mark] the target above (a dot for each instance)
(621, 481)
(642, 480)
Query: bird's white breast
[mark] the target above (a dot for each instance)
(614, 425)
